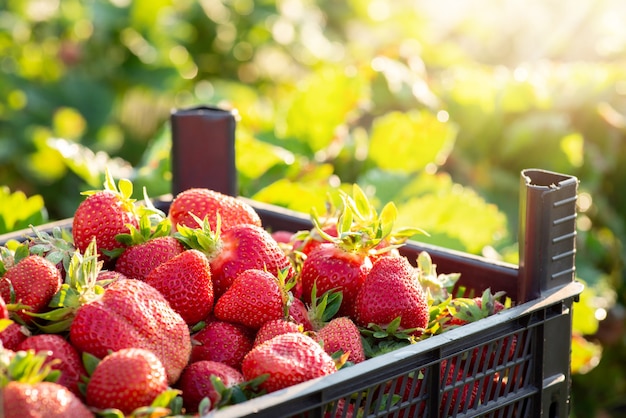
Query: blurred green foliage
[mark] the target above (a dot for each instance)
(439, 117)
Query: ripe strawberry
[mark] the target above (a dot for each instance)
(462, 311)
(131, 313)
(4, 313)
(196, 383)
(205, 203)
(459, 397)
(299, 314)
(222, 341)
(240, 248)
(288, 359)
(126, 380)
(43, 399)
(392, 290)
(330, 267)
(185, 281)
(25, 393)
(341, 410)
(13, 335)
(32, 281)
(58, 348)
(342, 334)
(137, 261)
(104, 214)
(344, 261)
(275, 327)
(254, 298)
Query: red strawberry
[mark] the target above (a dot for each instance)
(240, 248)
(70, 365)
(288, 359)
(33, 281)
(196, 384)
(282, 236)
(131, 313)
(245, 247)
(13, 335)
(254, 298)
(299, 314)
(313, 239)
(42, 400)
(391, 289)
(330, 267)
(103, 215)
(138, 260)
(343, 263)
(185, 281)
(459, 397)
(205, 203)
(341, 334)
(222, 341)
(341, 410)
(25, 394)
(126, 380)
(4, 313)
(275, 327)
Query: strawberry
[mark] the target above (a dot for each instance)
(42, 400)
(273, 328)
(462, 311)
(342, 334)
(341, 409)
(131, 313)
(138, 260)
(104, 214)
(299, 314)
(240, 248)
(330, 267)
(58, 348)
(344, 261)
(28, 388)
(461, 396)
(287, 359)
(210, 204)
(197, 383)
(392, 290)
(13, 335)
(255, 297)
(31, 283)
(4, 313)
(222, 341)
(126, 380)
(185, 281)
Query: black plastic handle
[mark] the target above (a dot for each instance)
(547, 231)
(203, 149)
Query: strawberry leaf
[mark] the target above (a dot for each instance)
(90, 362)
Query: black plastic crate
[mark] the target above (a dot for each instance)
(531, 378)
(526, 371)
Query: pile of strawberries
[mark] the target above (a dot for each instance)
(137, 312)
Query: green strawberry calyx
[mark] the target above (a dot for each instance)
(204, 238)
(81, 287)
(323, 308)
(27, 366)
(471, 310)
(360, 227)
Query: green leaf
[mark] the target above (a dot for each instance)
(90, 362)
(409, 142)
